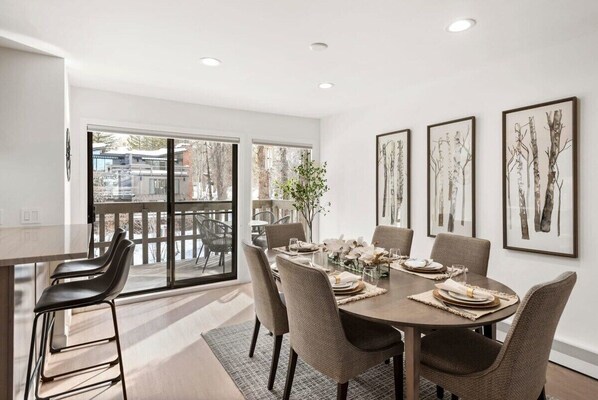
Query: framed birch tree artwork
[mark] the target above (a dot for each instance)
(393, 179)
(451, 177)
(540, 178)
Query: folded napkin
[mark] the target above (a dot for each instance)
(307, 245)
(344, 277)
(460, 288)
(423, 263)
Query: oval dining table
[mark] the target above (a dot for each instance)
(412, 317)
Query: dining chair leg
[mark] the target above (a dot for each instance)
(290, 375)
(275, 356)
(118, 349)
(542, 394)
(256, 331)
(397, 362)
(454, 397)
(439, 392)
(341, 391)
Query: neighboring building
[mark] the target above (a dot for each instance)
(138, 175)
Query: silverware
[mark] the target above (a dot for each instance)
(448, 305)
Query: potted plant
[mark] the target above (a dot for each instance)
(306, 189)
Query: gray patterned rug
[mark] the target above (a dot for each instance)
(231, 346)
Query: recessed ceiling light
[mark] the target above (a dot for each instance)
(210, 62)
(326, 85)
(318, 46)
(461, 25)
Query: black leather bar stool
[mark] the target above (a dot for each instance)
(83, 293)
(89, 267)
(80, 269)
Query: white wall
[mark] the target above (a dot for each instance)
(348, 145)
(88, 106)
(32, 125)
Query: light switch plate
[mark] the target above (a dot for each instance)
(30, 216)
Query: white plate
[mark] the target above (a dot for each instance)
(456, 296)
(353, 285)
(346, 285)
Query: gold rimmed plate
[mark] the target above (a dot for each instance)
(450, 300)
(425, 270)
(358, 287)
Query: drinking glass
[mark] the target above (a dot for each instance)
(395, 253)
(371, 274)
(294, 246)
(459, 273)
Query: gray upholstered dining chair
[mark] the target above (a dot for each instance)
(262, 239)
(452, 249)
(334, 343)
(474, 253)
(475, 367)
(389, 237)
(269, 307)
(278, 235)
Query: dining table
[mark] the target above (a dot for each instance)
(412, 317)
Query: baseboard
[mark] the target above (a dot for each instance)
(573, 357)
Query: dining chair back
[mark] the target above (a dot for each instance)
(471, 252)
(278, 234)
(339, 346)
(472, 366)
(269, 307)
(524, 356)
(389, 237)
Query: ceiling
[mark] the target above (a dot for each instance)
(376, 48)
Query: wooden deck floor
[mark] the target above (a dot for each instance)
(152, 276)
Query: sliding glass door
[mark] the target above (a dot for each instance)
(205, 209)
(161, 190)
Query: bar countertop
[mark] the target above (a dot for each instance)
(24, 245)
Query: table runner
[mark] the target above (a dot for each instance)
(428, 298)
(435, 277)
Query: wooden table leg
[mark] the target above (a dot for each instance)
(412, 354)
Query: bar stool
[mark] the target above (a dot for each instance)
(83, 293)
(89, 267)
(81, 269)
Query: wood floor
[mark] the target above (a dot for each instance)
(166, 358)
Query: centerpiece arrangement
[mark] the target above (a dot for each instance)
(356, 254)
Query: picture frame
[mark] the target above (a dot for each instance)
(393, 178)
(451, 177)
(539, 178)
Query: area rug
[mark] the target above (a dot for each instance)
(231, 347)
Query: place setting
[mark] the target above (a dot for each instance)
(297, 247)
(427, 268)
(465, 300)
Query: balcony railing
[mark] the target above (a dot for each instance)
(145, 223)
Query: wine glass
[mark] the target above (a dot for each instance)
(395, 253)
(294, 246)
(459, 273)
